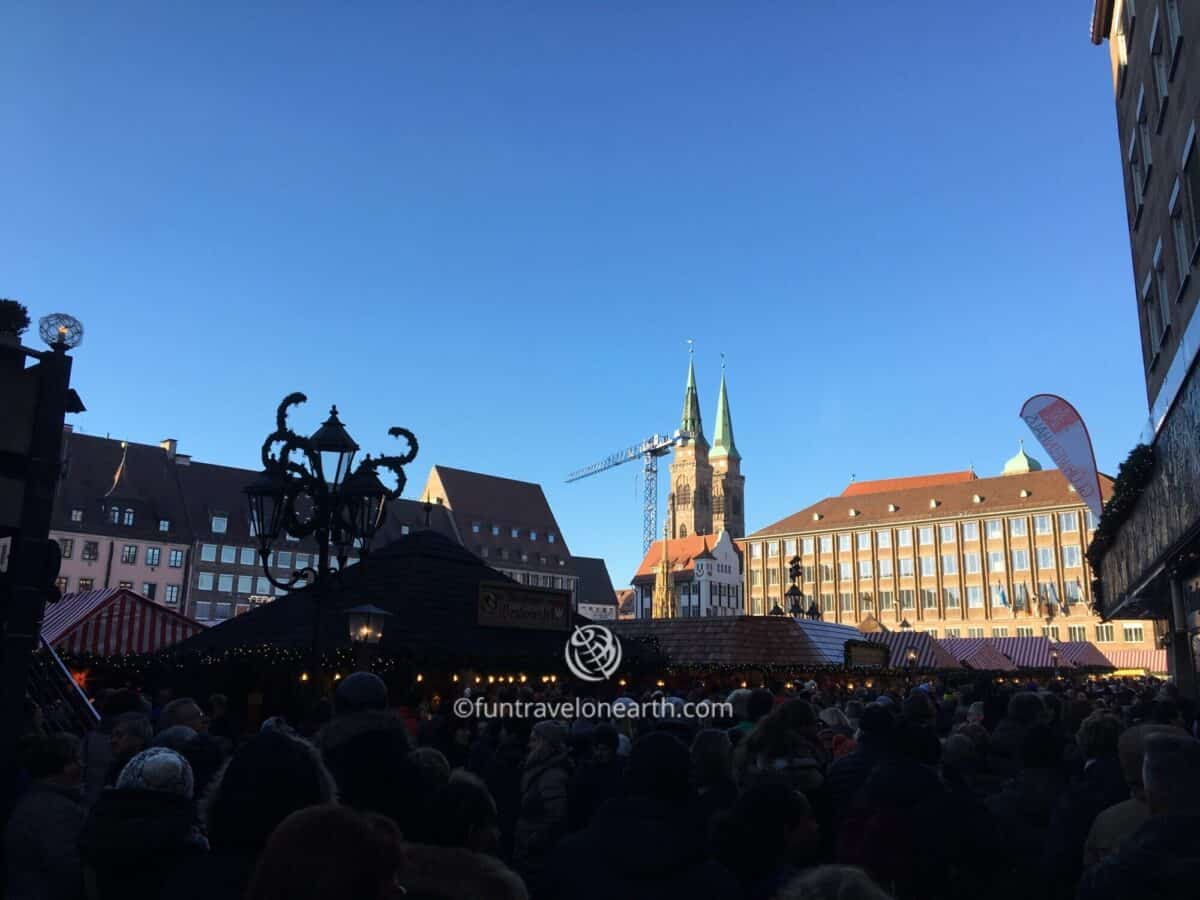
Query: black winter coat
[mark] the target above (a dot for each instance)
(653, 853)
(1159, 861)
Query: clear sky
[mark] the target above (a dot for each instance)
(497, 224)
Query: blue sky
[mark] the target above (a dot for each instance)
(498, 223)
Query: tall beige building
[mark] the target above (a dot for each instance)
(950, 554)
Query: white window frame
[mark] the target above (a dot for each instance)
(826, 543)
(807, 545)
(845, 572)
(906, 571)
(883, 539)
(928, 566)
(885, 567)
(974, 596)
(949, 564)
(951, 594)
(971, 563)
(994, 528)
(1037, 524)
(1045, 558)
(1014, 524)
(948, 530)
(204, 581)
(904, 537)
(993, 556)
(1073, 550)
(864, 568)
(970, 531)
(1016, 560)
(844, 542)
(1139, 630)
(924, 532)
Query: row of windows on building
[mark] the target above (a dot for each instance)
(951, 598)
(536, 579)
(514, 531)
(229, 554)
(1102, 634)
(129, 553)
(1167, 273)
(118, 515)
(1072, 558)
(149, 588)
(1068, 523)
(226, 582)
(516, 553)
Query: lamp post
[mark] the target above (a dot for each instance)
(1054, 660)
(366, 624)
(795, 593)
(905, 625)
(308, 487)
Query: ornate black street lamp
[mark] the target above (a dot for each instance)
(308, 487)
(795, 593)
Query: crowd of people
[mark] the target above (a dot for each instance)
(1040, 791)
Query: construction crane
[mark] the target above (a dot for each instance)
(648, 450)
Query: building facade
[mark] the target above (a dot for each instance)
(1147, 560)
(148, 518)
(951, 554)
(704, 575)
(708, 489)
(506, 523)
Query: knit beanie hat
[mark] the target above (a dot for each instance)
(158, 769)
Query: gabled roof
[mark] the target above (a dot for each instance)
(137, 476)
(1027, 652)
(930, 654)
(1046, 489)
(683, 554)
(211, 489)
(858, 488)
(978, 654)
(492, 500)
(114, 621)
(430, 585)
(624, 598)
(1083, 655)
(407, 516)
(595, 585)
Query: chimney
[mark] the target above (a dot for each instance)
(170, 445)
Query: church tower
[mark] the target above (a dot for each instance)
(728, 483)
(691, 475)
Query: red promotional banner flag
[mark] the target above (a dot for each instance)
(1060, 430)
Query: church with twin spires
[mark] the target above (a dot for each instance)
(707, 487)
(696, 569)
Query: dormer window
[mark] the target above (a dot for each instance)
(127, 517)
(853, 513)
(76, 514)
(533, 534)
(1025, 492)
(550, 537)
(219, 523)
(817, 517)
(934, 504)
(114, 515)
(164, 525)
(892, 507)
(977, 498)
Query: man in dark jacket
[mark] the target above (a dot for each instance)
(1101, 785)
(597, 779)
(655, 851)
(1160, 860)
(543, 816)
(41, 841)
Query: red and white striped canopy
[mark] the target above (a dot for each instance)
(113, 621)
(1153, 661)
(930, 654)
(978, 653)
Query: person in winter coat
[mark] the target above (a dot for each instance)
(271, 776)
(656, 851)
(766, 839)
(131, 734)
(503, 779)
(41, 841)
(138, 832)
(783, 747)
(597, 779)
(544, 814)
(713, 789)
(1159, 861)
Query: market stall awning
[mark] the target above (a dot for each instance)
(979, 654)
(1027, 652)
(930, 654)
(1153, 662)
(114, 621)
(1083, 655)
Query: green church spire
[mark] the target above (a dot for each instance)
(723, 444)
(690, 420)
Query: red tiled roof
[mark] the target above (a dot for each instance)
(745, 640)
(1046, 489)
(683, 553)
(978, 653)
(858, 488)
(930, 655)
(114, 621)
(1153, 661)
